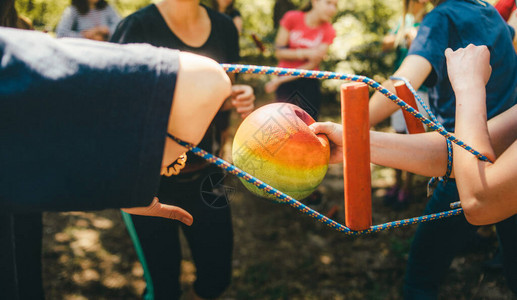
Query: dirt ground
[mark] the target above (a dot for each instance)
(278, 253)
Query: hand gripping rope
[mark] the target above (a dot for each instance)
(286, 199)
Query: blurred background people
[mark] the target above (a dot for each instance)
(90, 19)
(302, 41)
(399, 39)
(227, 7)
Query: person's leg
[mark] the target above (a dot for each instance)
(159, 241)
(28, 229)
(507, 233)
(435, 245)
(211, 235)
(8, 275)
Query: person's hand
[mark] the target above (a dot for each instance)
(157, 209)
(93, 34)
(243, 99)
(468, 67)
(272, 85)
(315, 54)
(334, 132)
(89, 33)
(104, 30)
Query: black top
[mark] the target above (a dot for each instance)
(82, 123)
(148, 26)
(233, 13)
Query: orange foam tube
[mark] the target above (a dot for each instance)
(413, 124)
(356, 155)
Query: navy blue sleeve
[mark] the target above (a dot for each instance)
(430, 43)
(82, 123)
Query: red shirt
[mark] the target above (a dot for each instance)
(302, 36)
(505, 8)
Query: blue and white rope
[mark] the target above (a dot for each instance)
(286, 199)
(264, 70)
(448, 171)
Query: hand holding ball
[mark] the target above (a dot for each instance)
(276, 145)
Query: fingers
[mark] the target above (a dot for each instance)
(157, 209)
(174, 213)
(241, 91)
(244, 111)
(332, 130)
(467, 67)
(243, 99)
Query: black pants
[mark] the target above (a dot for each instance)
(20, 256)
(303, 92)
(210, 237)
(437, 243)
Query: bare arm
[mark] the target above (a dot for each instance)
(388, 42)
(242, 98)
(311, 56)
(424, 154)
(487, 191)
(414, 68)
(238, 23)
(315, 54)
(192, 112)
(201, 87)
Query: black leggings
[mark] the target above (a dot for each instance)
(210, 237)
(303, 92)
(20, 256)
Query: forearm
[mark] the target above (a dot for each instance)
(415, 69)
(380, 107)
(424, 154)
(284, 53)
(471, 173)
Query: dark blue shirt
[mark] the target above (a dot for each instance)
(82, 123)
(147, 25)
(456, 24)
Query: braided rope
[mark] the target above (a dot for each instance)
(263, 70)
(286, 199)
(448, 171)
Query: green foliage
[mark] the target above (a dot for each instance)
(45, 14)
(360, 26)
